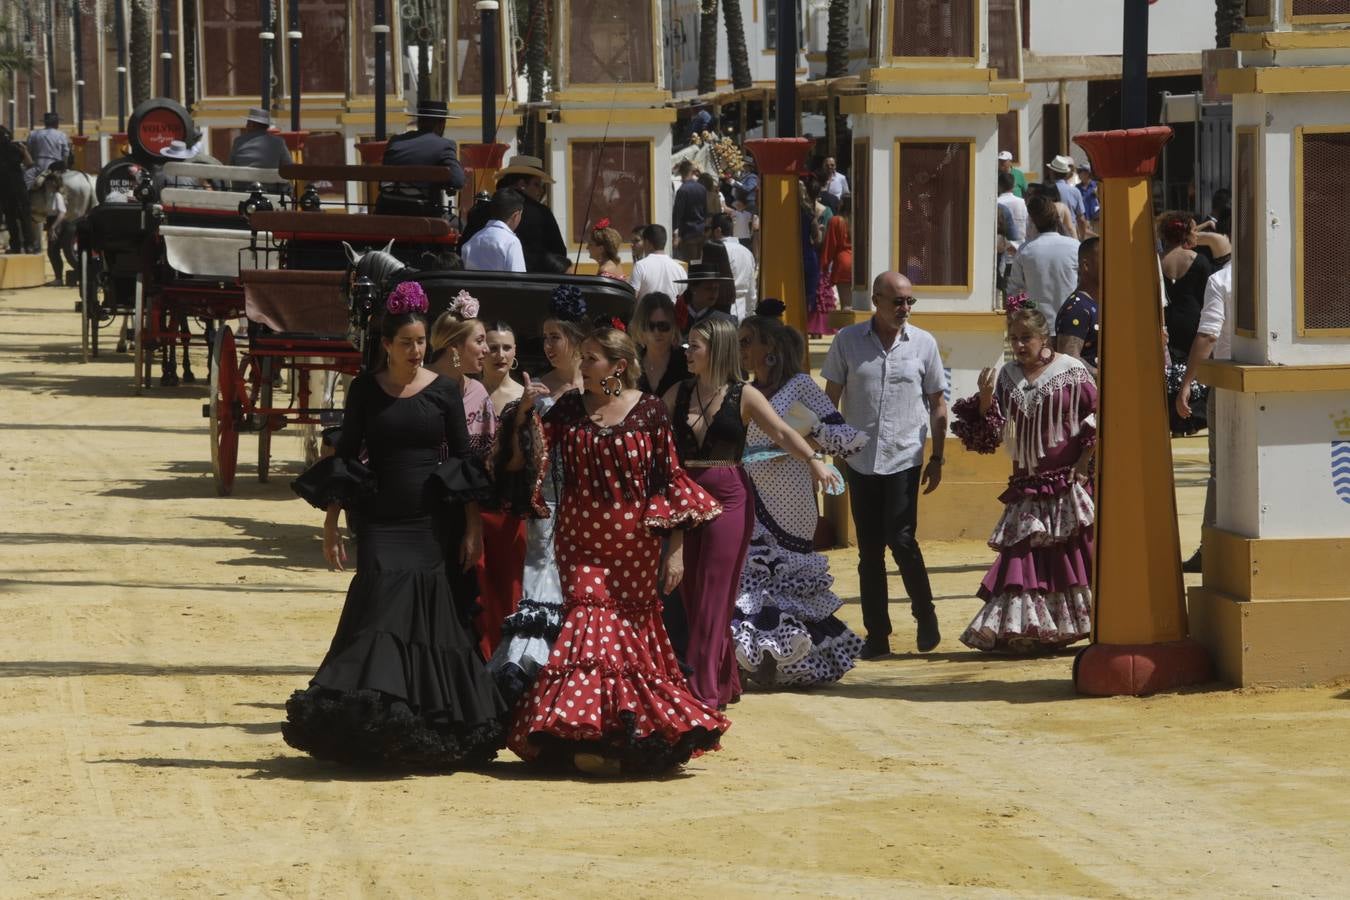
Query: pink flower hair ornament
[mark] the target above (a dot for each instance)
(407, 297)
(464, 306)
(1017, 302)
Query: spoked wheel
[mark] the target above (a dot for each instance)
(225, 406)
(139, 362)
(264, 421)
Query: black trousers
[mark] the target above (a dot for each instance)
(885, 514)
(18, 214)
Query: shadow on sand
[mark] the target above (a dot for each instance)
(45, 668)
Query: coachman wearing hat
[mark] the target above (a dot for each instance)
(257, 146)
(426, 146)
(709, 294)
(540, 237)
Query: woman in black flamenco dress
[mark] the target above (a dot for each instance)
(403, 685)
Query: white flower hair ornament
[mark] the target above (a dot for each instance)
(464, 306)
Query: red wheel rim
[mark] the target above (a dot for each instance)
(224, 411)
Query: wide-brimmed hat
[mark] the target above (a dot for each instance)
(1061, 164)
(432, 109)
(703, 273)
(525, 165)
(179, 150)
(261, 116)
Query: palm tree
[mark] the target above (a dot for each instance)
(736, 46)
(707, 47)
(836, 41)
(140, 44)
(1227, 20)
(532, 24)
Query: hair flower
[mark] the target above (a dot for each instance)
(616, 323)
(407, 297)
(603, 223)
(567, 303)
(1017, 302)
(464, 306)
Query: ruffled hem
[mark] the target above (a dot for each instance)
(462, 480)
(1029, 622)
(661, 516)
(372, 729)
(335, 480)
(793, 653)
(1056, 569)
(1042, 520)
(838, 439)
(653, 754)
(982, 434)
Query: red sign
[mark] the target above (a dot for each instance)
(158, 128)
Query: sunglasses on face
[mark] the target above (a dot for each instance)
(659, 327)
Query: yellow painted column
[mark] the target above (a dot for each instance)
(780, 162)
(1140, 641)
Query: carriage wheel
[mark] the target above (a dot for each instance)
(265, 421)
(139, 363)
(225, 402)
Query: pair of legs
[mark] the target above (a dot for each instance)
(885, 515)
(18, 216)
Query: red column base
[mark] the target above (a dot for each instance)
(1113, 670)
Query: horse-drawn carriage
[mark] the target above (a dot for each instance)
(316, 322)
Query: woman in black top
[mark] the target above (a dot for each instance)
(1185, 274)
(709, 413)
(403, 684)
(18, 211)
(654, 330)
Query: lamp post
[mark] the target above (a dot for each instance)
(293, 36)
(165, 54)
(785, 68)
(381, 30)
(487, 10)
(265, 38)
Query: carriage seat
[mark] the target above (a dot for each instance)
(297, 303)
(333, 227)
(209, 253)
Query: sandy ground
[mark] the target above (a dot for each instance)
(153, 631)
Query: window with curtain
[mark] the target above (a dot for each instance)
(610, 43)
(1009, 134)
(610, 180)
(468, 52)
(323, 49)
(934, 211)
(231, 53)
(926, 28)
(363, 71)
(1004, 39)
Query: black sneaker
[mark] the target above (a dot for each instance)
(928, 634)
(875, 648)
(1192, 565)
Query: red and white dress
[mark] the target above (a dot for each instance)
(612, 684)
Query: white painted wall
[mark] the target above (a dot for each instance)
(1093, 28)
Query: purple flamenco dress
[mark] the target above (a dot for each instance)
(1037, 595)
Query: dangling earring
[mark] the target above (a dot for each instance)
(618, 385)
(454, 357)
(1046, 354)
(771, 359)
(515, 364)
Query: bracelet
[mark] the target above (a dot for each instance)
(818, 456)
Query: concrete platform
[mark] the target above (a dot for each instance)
(22, 270)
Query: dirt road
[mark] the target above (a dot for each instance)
(152, 632)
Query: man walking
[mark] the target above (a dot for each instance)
(691, 209)
(835, 184)
(889, 376)
(496, 248)
(47, 146)
(1045, 267)
(655, 272)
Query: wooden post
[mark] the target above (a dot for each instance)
(780, 161)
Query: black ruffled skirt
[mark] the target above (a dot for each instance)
(403, 685)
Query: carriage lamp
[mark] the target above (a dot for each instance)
(145, 189)
(257, 201)
(309, 200)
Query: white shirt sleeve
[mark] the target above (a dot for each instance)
(835, 368)
(1212, 314)
(934, 376)
(516, 257)
(635, 279)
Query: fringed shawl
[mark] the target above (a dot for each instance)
(1039, 416)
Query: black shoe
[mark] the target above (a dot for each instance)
(875, 648)
(1192, 565)
(928, 634)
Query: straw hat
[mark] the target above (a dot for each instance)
(525, 165)
(261, 116)
(1060, 165)
(179, 150)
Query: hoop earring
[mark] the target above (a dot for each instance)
(454, 357)
(515, 363)
(618, 385)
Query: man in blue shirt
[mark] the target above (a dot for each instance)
(1061, 167)
(47, 146)
(496, 248)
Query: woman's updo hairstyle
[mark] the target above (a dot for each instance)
(615, 345)
(608, 239)
(1174, 229)
(456, 325)
(567, 310)
(406, 304)
(1032, 318)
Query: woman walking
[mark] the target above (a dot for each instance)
(611, 699)
(528, 634)
(656, 331)
(1037, 595)
(710, 412)
(402, 684)
(785, 631)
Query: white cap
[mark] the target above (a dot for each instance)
(1005, 156)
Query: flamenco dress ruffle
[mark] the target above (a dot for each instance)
(1037, 593)
(403, 685)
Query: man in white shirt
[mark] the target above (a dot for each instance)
(496, 248)
(742, 265)
(835, 182)
(1045, 267)
(1213, 337)
(656, 272)
(886, 377)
